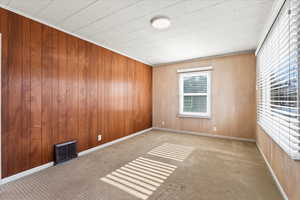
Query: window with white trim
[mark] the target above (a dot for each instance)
(278, 64)
(194, 94)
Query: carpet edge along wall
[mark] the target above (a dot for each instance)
(56, 87)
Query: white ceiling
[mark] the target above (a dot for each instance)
(199, 27)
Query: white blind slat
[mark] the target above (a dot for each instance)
(278, 65)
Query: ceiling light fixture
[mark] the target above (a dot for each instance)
(160, 22)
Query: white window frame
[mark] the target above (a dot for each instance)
(208, 94)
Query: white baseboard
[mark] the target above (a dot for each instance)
(273, 175)
(203, 134)
(26, 173)
(50, 164)
(113, 142)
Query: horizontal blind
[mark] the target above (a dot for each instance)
(278, 80)
(195, 104)
(195, 93)
(195, 84)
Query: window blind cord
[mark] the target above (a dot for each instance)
(288, 96)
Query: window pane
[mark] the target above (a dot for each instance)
(195, 84)
(195, 104)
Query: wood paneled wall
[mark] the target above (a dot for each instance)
(56, 87)
(233, 97)
(287, 170)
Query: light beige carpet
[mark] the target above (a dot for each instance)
(216, 169)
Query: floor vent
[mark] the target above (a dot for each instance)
(65, 151)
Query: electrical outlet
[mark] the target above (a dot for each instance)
(215, 128)
(163, 123)
(99, 137)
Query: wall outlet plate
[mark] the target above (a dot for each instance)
(99, 137)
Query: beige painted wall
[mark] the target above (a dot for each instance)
(233, 97)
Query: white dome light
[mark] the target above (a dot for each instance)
(160, 22)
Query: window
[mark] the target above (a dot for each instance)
(278, 64)
(194, 94)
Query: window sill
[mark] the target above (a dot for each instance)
(193, 116)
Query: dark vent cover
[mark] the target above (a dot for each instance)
(65, 151)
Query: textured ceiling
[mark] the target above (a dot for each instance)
(199, 27)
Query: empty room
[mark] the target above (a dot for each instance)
(150, 100)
